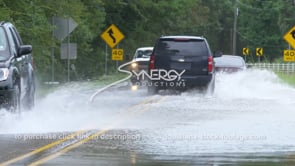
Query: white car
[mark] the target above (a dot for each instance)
(143, 53)
(140, 60)
(229, 63)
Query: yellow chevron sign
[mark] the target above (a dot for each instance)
(245, 51)
(259, 51)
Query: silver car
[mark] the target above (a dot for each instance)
(229, 63)
(140, 62)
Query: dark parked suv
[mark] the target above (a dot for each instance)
(181, 62)
(17, 86)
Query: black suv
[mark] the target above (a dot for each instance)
(181, 62)
(17, 85)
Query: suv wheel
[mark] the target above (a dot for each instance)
(210, 87)
(15, 99)
(30, 98)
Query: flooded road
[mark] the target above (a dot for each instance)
(248, 120)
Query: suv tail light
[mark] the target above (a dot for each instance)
(210, 64)
(152, 62)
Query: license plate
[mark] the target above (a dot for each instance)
(180, 65)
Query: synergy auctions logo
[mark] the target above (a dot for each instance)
(159, 74)
(154, 77)
(159, 77)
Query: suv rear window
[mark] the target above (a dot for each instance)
(182, 47)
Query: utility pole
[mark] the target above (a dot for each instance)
(52, 51)
(106, 61)
(236, 12)
(68, 49)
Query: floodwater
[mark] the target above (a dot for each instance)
(249, 118)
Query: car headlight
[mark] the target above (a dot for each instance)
(4, 72)
(134, 65)
(134, 87)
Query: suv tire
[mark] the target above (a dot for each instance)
(210, 87)
(15, 99)
(30, 98)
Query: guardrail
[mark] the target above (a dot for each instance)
(278, 67)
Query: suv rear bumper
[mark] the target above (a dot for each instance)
(200, 80)
(184, 83)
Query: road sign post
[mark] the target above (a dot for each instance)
(63, 29)
(106, 61)
(289, 55)
(117, 54)
(112, 36)
(245, 53)
(259, 53)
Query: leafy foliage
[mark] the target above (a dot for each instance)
(260, 24)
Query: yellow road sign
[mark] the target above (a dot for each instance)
(112, 36)
(290, 37)
(289, 55)
(245, 51)
(117, 54)
(259, 51)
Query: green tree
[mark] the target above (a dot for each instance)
(258, 27)
(260, 24)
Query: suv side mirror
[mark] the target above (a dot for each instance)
(24, 49)
(217, 53)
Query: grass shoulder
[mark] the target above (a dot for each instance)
(288, 78)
